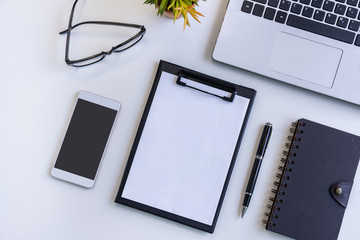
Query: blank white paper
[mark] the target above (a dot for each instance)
(185, 151)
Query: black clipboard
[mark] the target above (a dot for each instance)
(186, 145)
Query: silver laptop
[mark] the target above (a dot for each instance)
(313, 44)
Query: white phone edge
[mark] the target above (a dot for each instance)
(73, 178)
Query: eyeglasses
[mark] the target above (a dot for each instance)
(100, 56)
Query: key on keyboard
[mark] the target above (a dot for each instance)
(336, 19)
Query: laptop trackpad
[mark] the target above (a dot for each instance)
(305, 59)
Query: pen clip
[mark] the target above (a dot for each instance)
(231, 90)
(264, 140)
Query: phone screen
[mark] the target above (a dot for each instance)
(86, 138)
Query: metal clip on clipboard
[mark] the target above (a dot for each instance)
(226, 88)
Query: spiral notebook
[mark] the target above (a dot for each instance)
(315, 182)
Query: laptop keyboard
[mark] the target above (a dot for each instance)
(337, 19)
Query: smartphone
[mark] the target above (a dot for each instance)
(83, 147)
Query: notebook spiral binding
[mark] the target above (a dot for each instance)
(284, 177)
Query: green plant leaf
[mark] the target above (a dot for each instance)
(171, 4)
(162, 7)
(183, 7)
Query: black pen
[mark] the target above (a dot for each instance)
(265, 137)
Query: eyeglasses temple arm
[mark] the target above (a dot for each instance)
(103, 23)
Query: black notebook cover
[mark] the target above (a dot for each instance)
(315, 183)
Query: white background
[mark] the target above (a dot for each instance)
(38, 91)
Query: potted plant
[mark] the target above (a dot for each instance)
(176, 8)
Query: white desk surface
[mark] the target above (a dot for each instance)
(38, 92)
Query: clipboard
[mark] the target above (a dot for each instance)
(186, 145)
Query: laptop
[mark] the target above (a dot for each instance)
(313, 44)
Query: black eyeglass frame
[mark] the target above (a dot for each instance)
(103, 54)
